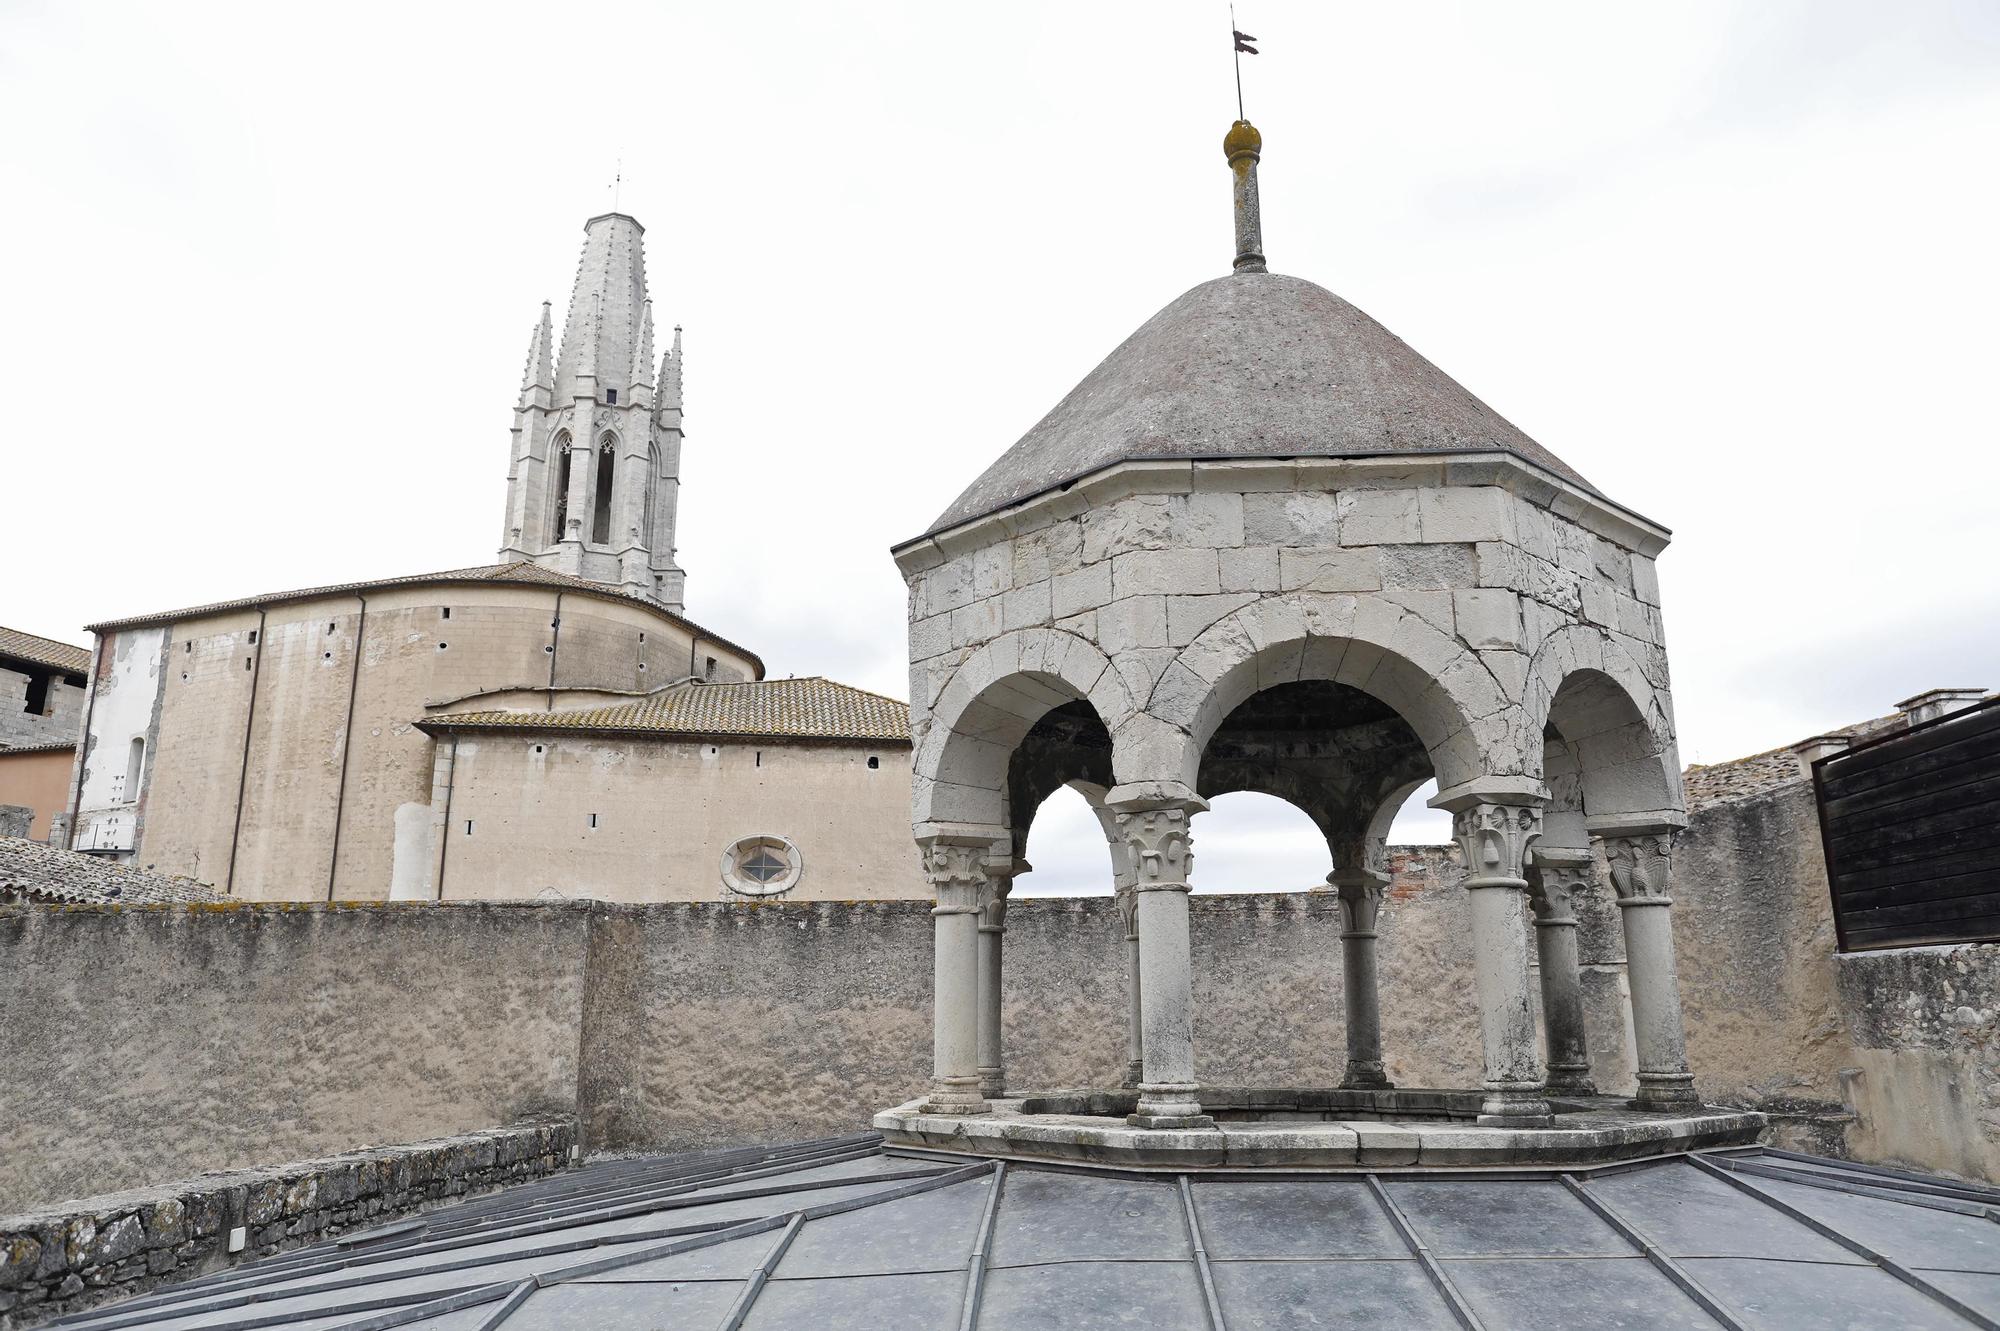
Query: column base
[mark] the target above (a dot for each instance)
(993, 1083)
(955, 1096)
(1515, 1107)
(1365, 1077)
(1571, 1081)
(1169, 1105)
(1668, 1090)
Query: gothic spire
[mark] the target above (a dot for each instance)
(670, 375)
(602, 332)
(539, 372)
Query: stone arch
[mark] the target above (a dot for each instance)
(1439, 686)
(988, 706)
(1606, 725)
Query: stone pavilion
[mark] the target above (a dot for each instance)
(1266, 546)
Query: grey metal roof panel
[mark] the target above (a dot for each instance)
(844, 1234)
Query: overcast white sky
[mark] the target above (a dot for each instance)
(267, 274)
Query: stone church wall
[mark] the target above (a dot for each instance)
(654, 818)
(325, 743)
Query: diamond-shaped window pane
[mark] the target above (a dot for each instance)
(764, 867)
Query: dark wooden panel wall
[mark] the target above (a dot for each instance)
(1912, 829)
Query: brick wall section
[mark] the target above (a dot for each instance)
(92, 1251)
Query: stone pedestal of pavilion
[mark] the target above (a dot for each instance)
(1301, 1128)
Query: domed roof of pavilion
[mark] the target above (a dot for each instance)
(1252, 365)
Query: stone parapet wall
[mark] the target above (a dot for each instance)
(72, 1256)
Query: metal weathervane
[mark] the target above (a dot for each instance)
(1240, 47)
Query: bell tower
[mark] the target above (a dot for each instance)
(594, 474)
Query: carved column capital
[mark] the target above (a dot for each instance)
(1001, 871)
(955, 866)
(1642, 867)
(1158, 847)
(1495, 838)
(1362, 892)
(1557, 877)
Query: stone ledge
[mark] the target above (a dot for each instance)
(1597, 1130)
(74, 1255)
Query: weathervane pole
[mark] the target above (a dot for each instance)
(1236, 55)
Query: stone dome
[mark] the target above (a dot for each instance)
(1246, 366)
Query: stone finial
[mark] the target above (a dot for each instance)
(1243, 145)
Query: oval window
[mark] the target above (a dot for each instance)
(761, 866)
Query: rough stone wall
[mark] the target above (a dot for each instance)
(1924, 1026)
(155, 1042)
(61, 718)
(187, 688)
(67, 1258)
(667, 811)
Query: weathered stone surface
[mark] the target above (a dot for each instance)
(70, 1256)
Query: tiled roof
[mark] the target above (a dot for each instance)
(809, 708)
(521, 572)
(1741, 778)
(846, 1233)
(44, 651)
(42, 873)
(41, 746)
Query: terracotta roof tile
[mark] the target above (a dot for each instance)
(42, 873)
(809, 708)
(44, 651)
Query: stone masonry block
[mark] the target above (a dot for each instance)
(1467, 514)
(1163, 572)
(1428, 567)
(1133, 621)
(1137, 522)
(929, 636)
(1208, 519)
(1433, 607)
(1379, 517)
(1301, 517)
(1026, 606)
(1254, 568)
(1487, 618)
(1321, 569)
(976, 622)
(1600, 604)
(1187, 616)
(993, 569)
(1645, 580)
(1085, 589)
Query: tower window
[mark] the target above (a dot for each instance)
(874, 763)
(253, 637)
(446, 612)
(37, 701)
(135, 767)
(708, 670)
(600, 518)
(562, 486)
(611, 396)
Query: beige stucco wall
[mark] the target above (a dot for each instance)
(329, 752)
(38, 781)
(667, 811)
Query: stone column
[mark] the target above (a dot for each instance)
(1159, 853)
(955, 865)
(1001, 870)
(1361, 892)
(1135, 1044)
(1556, 876)
(1494, 837)
(1642, 868)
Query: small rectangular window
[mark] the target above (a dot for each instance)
(593, 820)
(246, 663)
(468, 827)
(447, 612)
(188, 646)
(611, 396)
(708, 671)
(253, 637)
